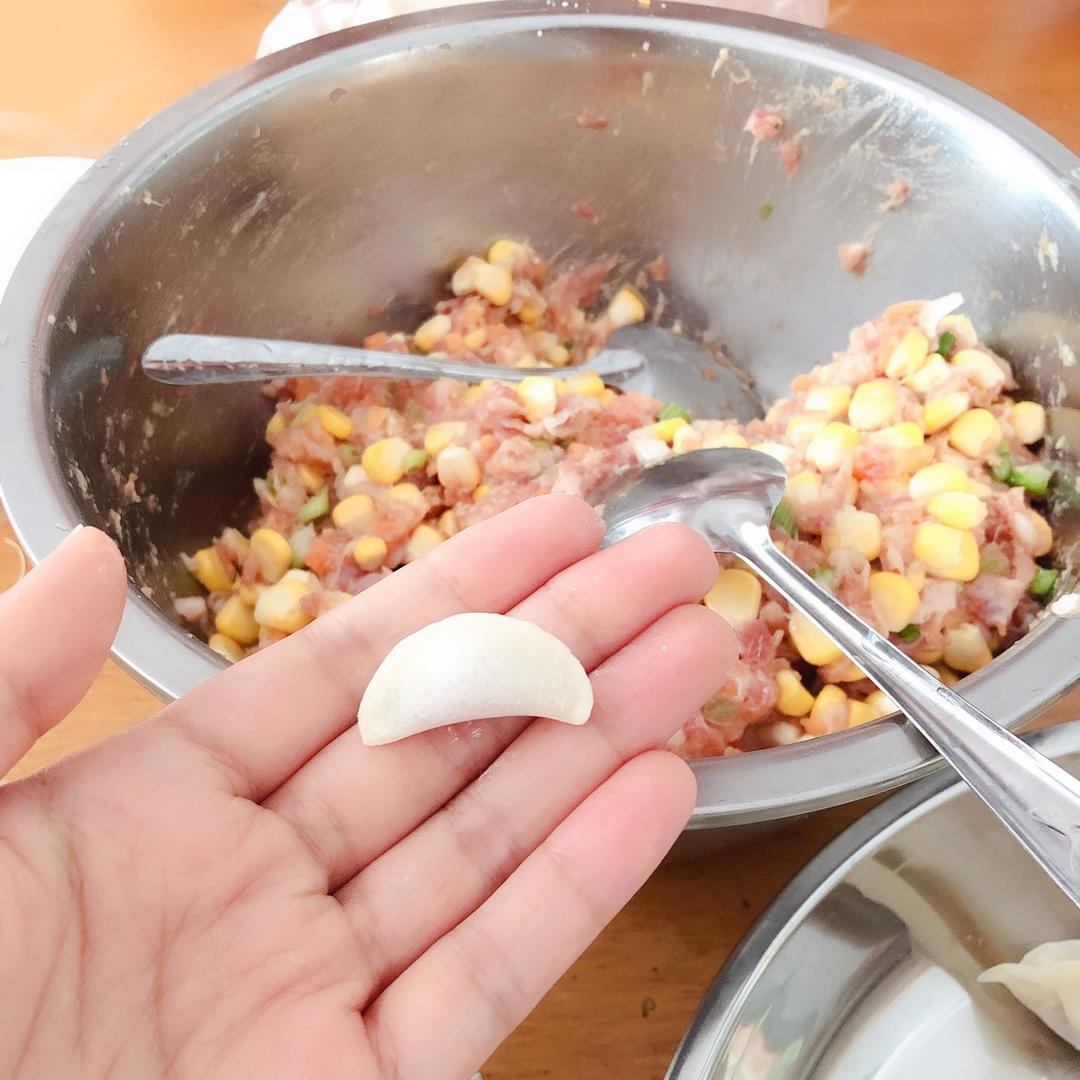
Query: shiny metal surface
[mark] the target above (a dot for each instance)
(646, 359)
(259, 205)
(729, 497)
(866, 964)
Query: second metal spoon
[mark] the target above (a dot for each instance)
(729, 497)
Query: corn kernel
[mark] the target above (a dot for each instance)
(587, 385)
(810, 643)
(506, 253)
(430, 333)
(311, 478)
(526, 361)
(828, 696)
(966, 649)
(210, 569)
(960, 509)
(236, 621)
(903, 436)
(441, 435)
(369, 552)
(275, 424)
(224, 646)
(976, 433)
(626, 307)
(832, 401)
(384, 461)
(803, 428)
(409, 493)
(1028, 419)
(930, 376)
(476, 392)
(475, 339)
(725, 440)
(941, 411)
(248, 593)
(873, 405)
(860, 713)
(909, 355)
(803, 489)
(424, 539)
(334, 421)
(665, 429)
(792, 699)
(493, 283)
(982, 369)
(736, 596)
(858, 529)
(936, 479)
(447, 524)
(775, 450)
(831, 445)
(278, 607)
(481, 492)
(946, 674)
(539, 396)
(531, 311)
(457, 468)
(1033, 530)
(893, 599)
(685, 439)
(354, 513)
(947, 552)
(881, 703)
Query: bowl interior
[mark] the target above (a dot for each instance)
(324, 193)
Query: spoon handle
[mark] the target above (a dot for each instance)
(199, 359)
(1038, 801)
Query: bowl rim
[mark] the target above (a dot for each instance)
(731, 791)
(750, 958)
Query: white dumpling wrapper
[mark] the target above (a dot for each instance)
(1046, 981)
(475, 666)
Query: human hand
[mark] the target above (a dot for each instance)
(240, 888)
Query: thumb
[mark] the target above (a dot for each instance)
(56, 626)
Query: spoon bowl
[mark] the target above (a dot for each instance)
(729, 497)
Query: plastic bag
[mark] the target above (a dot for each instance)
(301, 20)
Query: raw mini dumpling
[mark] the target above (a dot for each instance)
(1047, 981)
(475, 666)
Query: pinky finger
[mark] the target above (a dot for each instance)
(473, 986)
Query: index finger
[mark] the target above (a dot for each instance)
(263, 719)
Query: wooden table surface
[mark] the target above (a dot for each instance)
(75, 75)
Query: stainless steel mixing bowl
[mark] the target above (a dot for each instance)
(294, 196)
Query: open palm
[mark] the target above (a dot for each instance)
(239, 888)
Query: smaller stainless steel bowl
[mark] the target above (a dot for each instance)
(866, 964)
(261, 204)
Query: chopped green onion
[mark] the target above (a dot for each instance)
(1034, 479)
(349, 454)
(946, 343)
(765, 211)
(1003, 469)
(315, 507)
(541, 444)
(825, 576)
(300, 541)
(565, 444)
(784, 518)
(1042, 584)
(910, 634)
(672, 410)
(415, 459)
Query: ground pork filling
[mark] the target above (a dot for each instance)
(912, 474)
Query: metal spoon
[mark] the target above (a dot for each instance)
(729, 497)
(648, 359)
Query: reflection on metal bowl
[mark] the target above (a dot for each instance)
(297, 195)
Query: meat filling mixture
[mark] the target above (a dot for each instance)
(912, 474)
